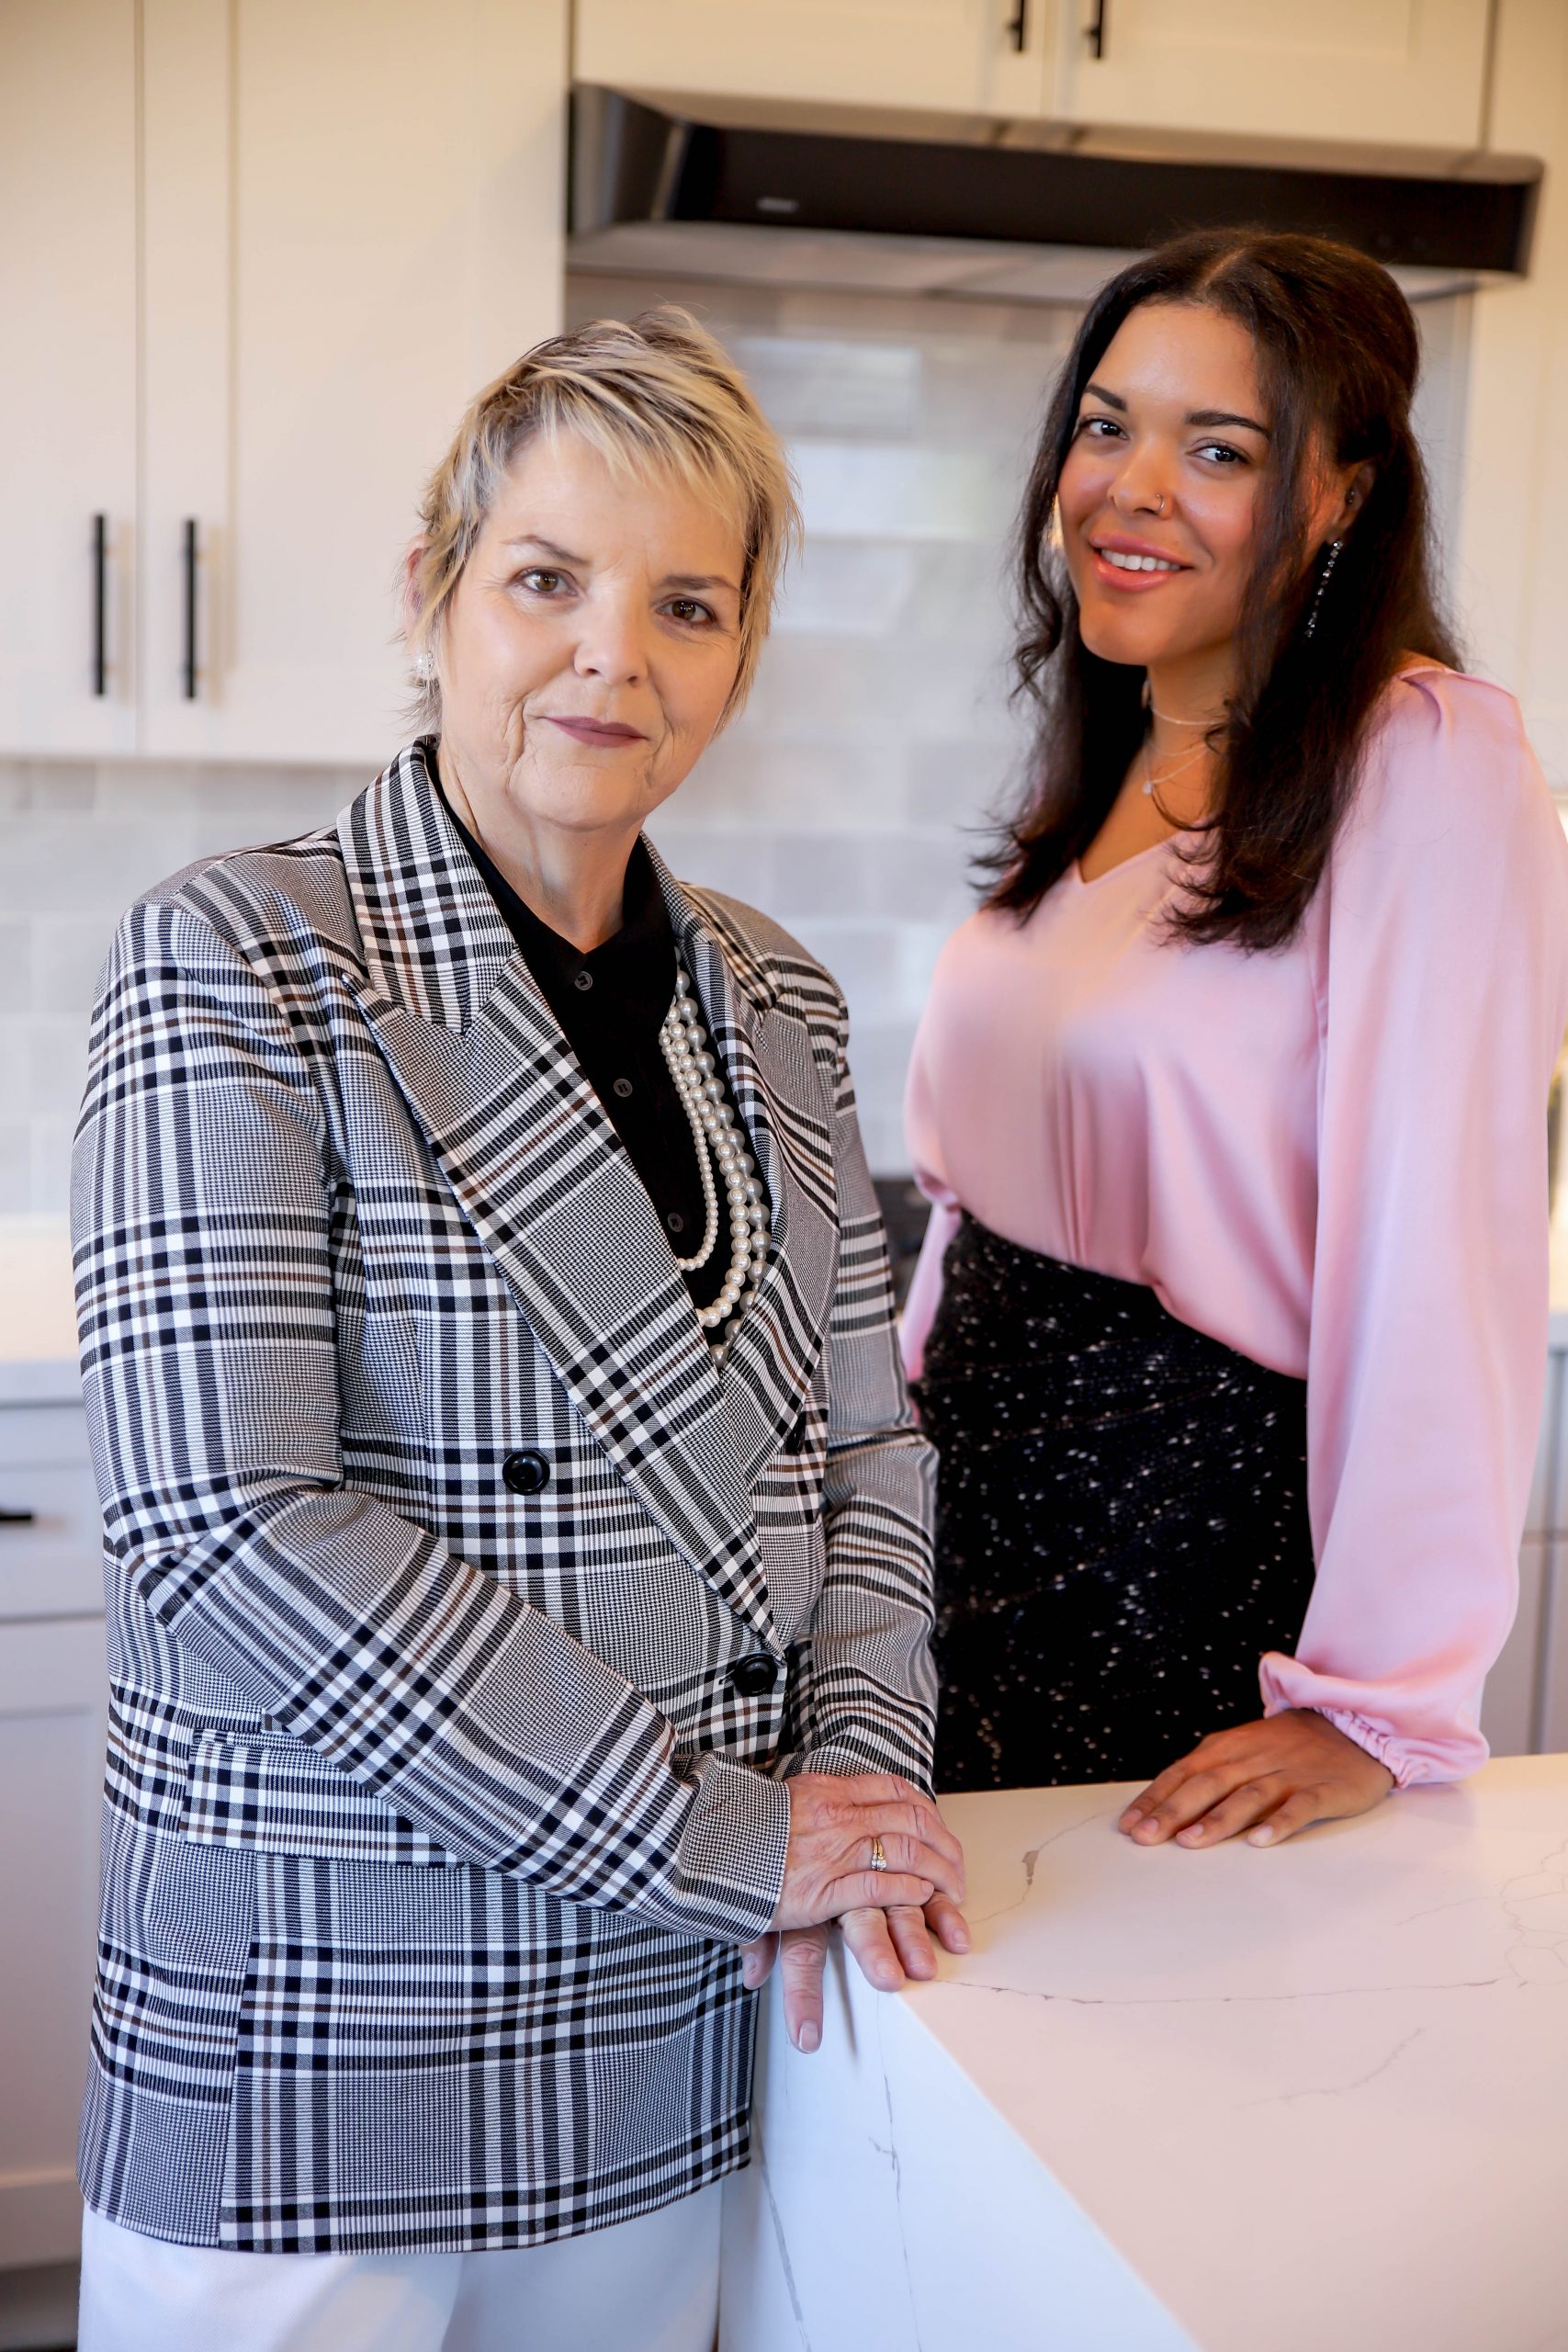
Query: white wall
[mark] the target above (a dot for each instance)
(1511, 572)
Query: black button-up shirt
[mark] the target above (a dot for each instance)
(610, 1004)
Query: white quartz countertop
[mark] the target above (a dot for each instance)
(1248, 2100)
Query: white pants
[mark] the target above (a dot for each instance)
(649, 2285)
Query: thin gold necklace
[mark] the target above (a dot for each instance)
(1171, 720)
(1167, 775)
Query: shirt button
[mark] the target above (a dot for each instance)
(526, 1471)
(623, 1087)
(754, 1676)
(675, 1221)
(583, 980)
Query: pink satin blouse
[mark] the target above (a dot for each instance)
(1332, 1158)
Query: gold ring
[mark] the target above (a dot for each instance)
(879, 1855)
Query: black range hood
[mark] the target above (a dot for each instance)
(655, 160)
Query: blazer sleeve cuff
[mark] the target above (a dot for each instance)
(729, 1864)
(845, 1757)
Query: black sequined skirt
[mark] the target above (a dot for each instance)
(1122, 1522)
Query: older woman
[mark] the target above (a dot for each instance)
(518, 1542)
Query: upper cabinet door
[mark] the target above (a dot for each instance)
(68, 387)
(353, 222)
(957, 55)
(1398, 71)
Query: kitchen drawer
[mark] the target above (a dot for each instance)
(30, 1433)
(50, 1563)
(54, 1689)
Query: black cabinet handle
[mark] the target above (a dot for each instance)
(190, 608)
(17, 1518)
(1016, 27)
(100, 604)
(1097, 29)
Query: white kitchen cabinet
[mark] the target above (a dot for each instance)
(272, 249)
(1405, 71)
(50, 1526)
(52, 1689)
(1552, 1735)
(1400, 71)
(1551, 1483)
(353, 222)
(1508, 1706)
(68, 388)
(965, 55)
(1525, 1708)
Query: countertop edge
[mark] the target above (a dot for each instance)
(44, 1380)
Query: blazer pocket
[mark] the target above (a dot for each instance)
(272, 1793)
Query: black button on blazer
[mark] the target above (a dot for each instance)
(526, 1471)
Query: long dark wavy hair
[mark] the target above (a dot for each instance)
(1338, 358)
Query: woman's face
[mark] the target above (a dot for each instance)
(589, 646)
(1160, 494)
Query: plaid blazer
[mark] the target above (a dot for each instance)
(435, 1812)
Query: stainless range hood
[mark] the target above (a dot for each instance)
(970, 207)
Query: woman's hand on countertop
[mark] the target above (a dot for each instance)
(893, 1948)
(1266, 1778)
(863, 1839)
(889, 1915)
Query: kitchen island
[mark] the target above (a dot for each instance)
(1248, 2100)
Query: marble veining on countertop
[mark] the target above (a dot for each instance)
(1249, 2100)
(1312, 2094)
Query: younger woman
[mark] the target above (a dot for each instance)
(1231, 1315)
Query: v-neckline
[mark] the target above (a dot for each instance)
(1137, 857)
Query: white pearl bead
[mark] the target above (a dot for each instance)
(719, 1138)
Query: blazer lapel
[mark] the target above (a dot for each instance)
(545, 1180)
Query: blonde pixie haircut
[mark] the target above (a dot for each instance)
(655, 395)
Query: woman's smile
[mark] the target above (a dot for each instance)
(1126, 565)
(609, 733)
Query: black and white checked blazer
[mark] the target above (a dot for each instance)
(434, 1815)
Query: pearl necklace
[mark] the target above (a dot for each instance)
(720, 1144)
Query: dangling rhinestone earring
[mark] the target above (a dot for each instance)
(1330, 559)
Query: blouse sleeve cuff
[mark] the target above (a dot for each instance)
(1379, 1745)
(925, 1289)
(1460, 1750)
